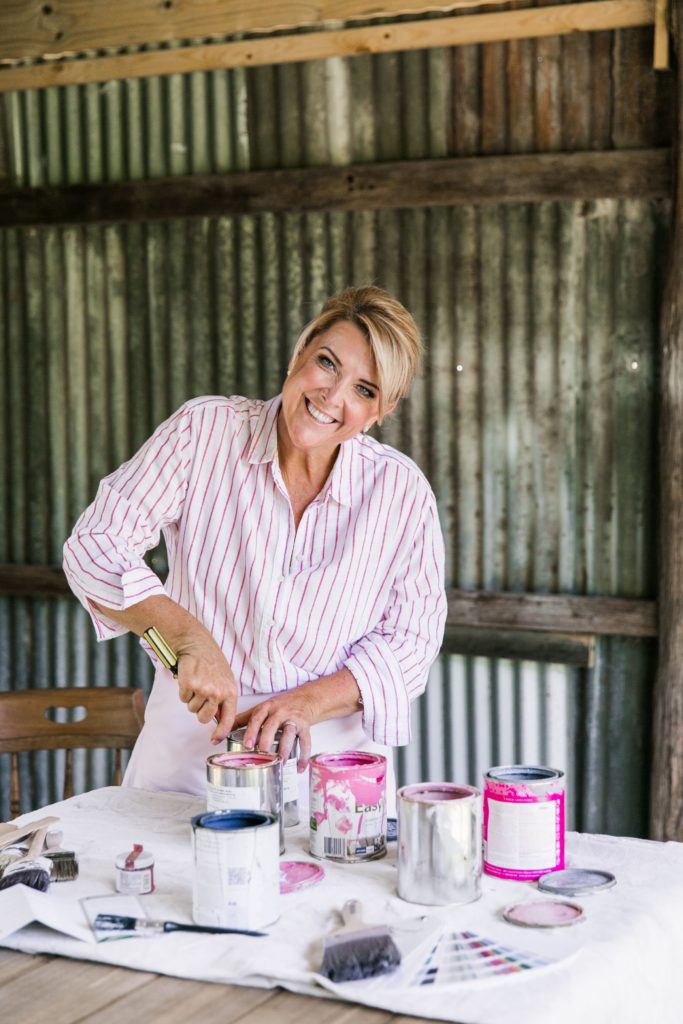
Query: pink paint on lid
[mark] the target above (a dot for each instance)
(299, 874)
(544, 913)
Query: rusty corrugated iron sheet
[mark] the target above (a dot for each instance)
(534, 417)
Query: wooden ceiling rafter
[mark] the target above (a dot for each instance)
(468, 29)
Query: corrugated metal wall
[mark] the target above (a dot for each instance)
(534, 418)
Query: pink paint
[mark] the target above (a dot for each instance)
(348, 805)
(524, 822)
(250, 760)
(299, 874)
(544, 914)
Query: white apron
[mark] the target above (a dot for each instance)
(179, 764)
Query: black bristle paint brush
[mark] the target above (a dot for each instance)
(143, 925)
(64, 862)
(32, 870)
(357, 950)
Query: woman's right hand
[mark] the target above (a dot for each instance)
(206, 684)
(205, 680)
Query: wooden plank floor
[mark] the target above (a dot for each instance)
(56, 990)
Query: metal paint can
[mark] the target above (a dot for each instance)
(236, 869)
(290, 778)
(523, 821)
(439, 843)
(348, 812)
(249, 781)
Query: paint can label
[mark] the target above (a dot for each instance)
(348, 806)
(225, 798)
(236, 878)
(524, 822)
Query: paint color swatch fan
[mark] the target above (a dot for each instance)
(466, 956)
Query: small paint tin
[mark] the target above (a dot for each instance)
(236, 876)
(135, 871)
(523, 821)
(439, 843)
(348, 806)
(290, 778)
(249, 781)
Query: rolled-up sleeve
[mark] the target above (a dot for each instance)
(104, 556)
(391, 663)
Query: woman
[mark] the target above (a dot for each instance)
(305, 586)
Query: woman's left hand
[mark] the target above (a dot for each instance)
(291, 711)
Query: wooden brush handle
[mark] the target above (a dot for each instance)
(9, 834)
(37, 843)
(352, 915)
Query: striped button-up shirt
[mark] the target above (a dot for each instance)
(359, 583)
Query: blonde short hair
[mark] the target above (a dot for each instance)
(392, 334)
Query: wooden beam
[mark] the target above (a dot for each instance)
(553, 613)
(529, 23)
(661, 59)
(666, 805)
(405, 184)
(521, 645)
(31, 28)
(556, 613)
(33, 581)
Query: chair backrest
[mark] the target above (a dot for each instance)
(113, 719)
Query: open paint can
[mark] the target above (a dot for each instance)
(236, 871)
(246, 781)
(523, 821)
(439, 843)
(290, 778)
(348, 810)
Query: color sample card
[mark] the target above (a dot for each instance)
(466, 956)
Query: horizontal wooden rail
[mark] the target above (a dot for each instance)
(640, 173)
(28, 29)
(521, 645)
(555, 613)
(528, 23)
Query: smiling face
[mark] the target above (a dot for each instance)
(331, 393)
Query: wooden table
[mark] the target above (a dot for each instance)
(57, 990)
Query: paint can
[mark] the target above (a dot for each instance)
(348, 813)
(248, 781)
(236, 869)
(439, 843)
(290, 778)
(523, 821)
(135, 871)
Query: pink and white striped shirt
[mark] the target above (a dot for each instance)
(358, 584)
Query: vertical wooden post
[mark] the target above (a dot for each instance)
(666, 808)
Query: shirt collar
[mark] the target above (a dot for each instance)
(264, 439)
(344, 480)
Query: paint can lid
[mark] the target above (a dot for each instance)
(576, 881)
(299, 874)
(544, 914)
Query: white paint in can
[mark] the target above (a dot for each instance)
(236, 870)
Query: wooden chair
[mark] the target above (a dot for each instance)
(113, 720)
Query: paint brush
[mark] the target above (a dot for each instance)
(31, 870)
(64, 862)
(357, 950)
(145, 926)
